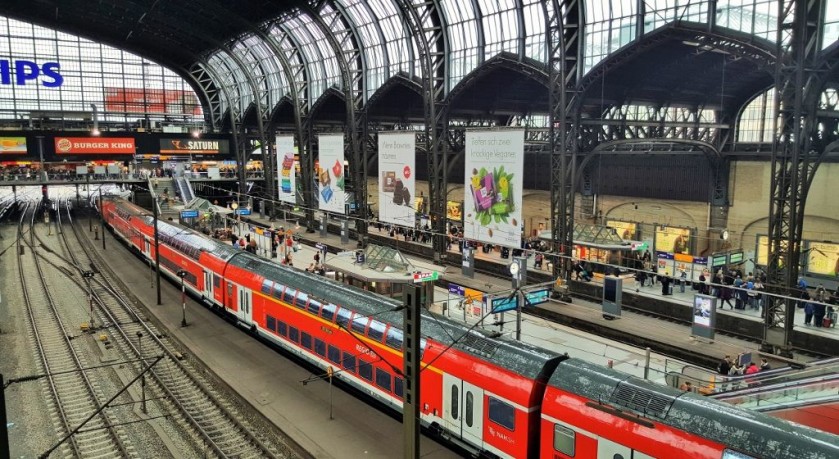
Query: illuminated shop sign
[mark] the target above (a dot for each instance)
(192, 146)
(20, 72)
(94, 145)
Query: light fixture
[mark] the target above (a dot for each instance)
(196, 133)
(234, 206)
(95, 132)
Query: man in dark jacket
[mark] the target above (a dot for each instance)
(725, 365)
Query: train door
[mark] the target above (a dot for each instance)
(610, 450)
(463, 412)
(208, 286)
(245, 305)
(230, 297)
(146, 247)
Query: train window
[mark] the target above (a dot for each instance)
(278, 291)
(343, 318)
(302, 299)
(359, 323)
(394, 338)
(271, 323)
(266, 286)
(383, 379)
(365, 370)
(455, 408)
(288, 295)
(470, 406)
(328, 312)
(306, 340)
(282, 328)
(564, 440)
(293, 334)
(313, 306)
(731, 454)
(502, 413)
(349, 362)
(320, 347)
(334, 355)
(376, 331)
(398, 387)
(216, 281)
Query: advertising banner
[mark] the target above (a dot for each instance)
(144, 100)
(330, 176)
(823, 258)
(626, 230)
(672, 239)
(12, 145)
(454, 210)
(94, 145)
(762, 257)
(704, 310)
(286, 169)
(194, 146)
(493, 189)
(397, 157)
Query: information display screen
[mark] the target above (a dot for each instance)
(702, 307)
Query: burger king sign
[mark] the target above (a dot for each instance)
(94, 145)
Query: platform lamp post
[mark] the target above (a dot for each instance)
(156, 251)
(235, 206)
(143, 367)
(88, 275)
(182, 273)
(102, 217)
(89, 220)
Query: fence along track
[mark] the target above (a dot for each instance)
(74, 395)
(203, 409)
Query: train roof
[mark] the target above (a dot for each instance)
(521, 358)
(749, 431)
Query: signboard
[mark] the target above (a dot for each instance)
(762, 257)
(243, 211)
(504, 304)
(704, 316)
(331, 173)
(397, 184)
(493, 186)
(534, 297)
(24, 70)
(823, 258)
(454, 210)
(194, 146)
(191, 213)
(735, 257)
(286, 169)
(144, 100)
(12, 145)
(612, 296)
(719, 260)
(426, 277)
(625, 230)
(672, 239)
(95, 145)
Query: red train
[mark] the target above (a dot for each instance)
(494, 397)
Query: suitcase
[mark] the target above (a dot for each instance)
(827, 322)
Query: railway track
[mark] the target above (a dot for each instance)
(74, 398)
(215, 425)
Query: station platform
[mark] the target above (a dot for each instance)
(648, 319)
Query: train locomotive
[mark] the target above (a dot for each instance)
(493, 397)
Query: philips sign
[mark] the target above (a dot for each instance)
(20, 71)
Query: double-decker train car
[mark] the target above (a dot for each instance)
(495, 397)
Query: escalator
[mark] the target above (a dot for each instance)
(812, 401)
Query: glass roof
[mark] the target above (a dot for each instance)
(475, 31)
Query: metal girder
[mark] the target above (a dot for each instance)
(209, 88)
(424, 19)
(564, 29)
(798, 84)
(346, 46)
(302, 104)
(211, 73)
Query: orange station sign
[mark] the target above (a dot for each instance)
(95, 145)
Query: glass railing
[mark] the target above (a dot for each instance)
(784, 395)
